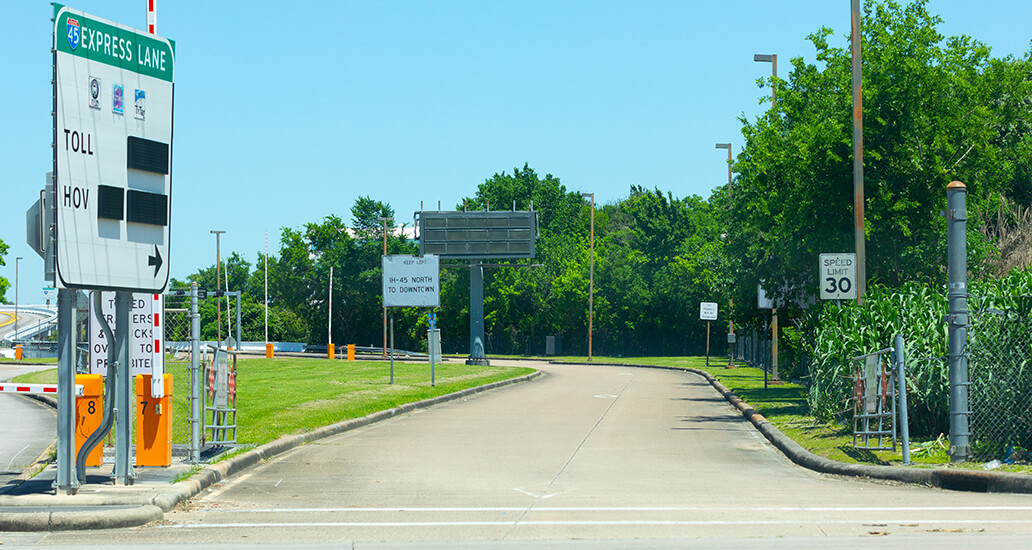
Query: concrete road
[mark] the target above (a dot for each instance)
(617, 456)
(27, 427)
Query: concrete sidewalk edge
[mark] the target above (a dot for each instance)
(953, 479)
(165, 501)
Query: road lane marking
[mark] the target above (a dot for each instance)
(896, 522)
(644, 509)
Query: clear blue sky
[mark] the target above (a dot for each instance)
(287, 111)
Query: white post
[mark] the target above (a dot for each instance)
(329, 324)
(266, 287)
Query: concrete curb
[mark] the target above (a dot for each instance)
(77, 520)
(953, 479)
(141, 509)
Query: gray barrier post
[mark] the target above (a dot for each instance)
(956, 242)
(904, 420)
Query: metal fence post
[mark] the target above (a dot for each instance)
(956, 238)
(904, 421)
(196, 382)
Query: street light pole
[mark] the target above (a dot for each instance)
(385, 219)
(731, 320)
(218, 276)
(773, 60)
(16, 262)
(730, 160)
(591, 275)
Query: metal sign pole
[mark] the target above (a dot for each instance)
(477, 355)
(66, 481)
(392, 346)
(707, 342)
(123, 469)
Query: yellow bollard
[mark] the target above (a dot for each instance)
(268, 351)
(351, 352)
(89, 410)
(153, 423)
(329, 351)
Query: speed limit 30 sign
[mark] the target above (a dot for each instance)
(837, 276)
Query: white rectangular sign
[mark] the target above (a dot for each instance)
(411, 281)
(708, 311)
(113, 153)
(147, 337)
(837, 276)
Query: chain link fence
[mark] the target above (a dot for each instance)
(1000, 371)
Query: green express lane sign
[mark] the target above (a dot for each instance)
(113, 89)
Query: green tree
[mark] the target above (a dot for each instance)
(4, 283)
(935, 110)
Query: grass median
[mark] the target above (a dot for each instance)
(284, 396)
(784, 405)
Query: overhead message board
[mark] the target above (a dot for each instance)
(477, 235)
(411, 281)
(113, 94)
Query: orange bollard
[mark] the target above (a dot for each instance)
(89, 411)
(18, 352)
(329, 351)
(153, 423)
(268, 351)
(351, 352)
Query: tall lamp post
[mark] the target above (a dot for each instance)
(16, 262)
(771, 58)
(591, 274)
(218, 276)
(385, 219)
(731, 301)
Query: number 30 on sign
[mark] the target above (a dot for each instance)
(837, 276)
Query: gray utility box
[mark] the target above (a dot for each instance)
(553, 345)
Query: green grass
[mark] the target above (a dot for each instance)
(42, 360)
(784, 405)
(296, 395)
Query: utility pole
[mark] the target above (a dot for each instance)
(858, 158)
(591, 275)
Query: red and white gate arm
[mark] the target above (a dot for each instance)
(7, 387)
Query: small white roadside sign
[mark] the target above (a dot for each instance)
(837, 276)
(146, 342)
(411, 281)
(708, 311)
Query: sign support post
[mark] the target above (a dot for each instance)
(67, 482)
(124, 402)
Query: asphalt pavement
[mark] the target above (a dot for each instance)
(606, 453)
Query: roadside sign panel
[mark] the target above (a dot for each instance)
(477, 235)
(146, 341)
(708, 311)
(113, 88)
(411, 281)
(837, 276)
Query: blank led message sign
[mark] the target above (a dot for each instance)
(477, 235)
